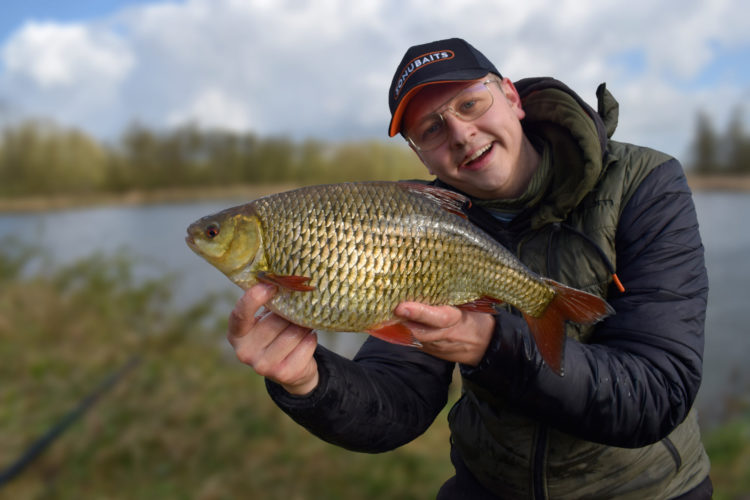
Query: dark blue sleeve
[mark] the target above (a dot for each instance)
(385, 397)
(638, 377)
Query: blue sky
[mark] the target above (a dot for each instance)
(16, 12)
(322, 68)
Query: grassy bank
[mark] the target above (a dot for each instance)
(188, 422)
(729, 449)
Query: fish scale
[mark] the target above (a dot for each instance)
(343, 256)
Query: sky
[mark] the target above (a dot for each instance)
(321, 69)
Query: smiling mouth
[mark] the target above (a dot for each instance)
(478, 154)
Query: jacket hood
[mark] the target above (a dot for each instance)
(576, 135)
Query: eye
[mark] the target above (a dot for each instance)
(467, 105)
(431, 128)
(212, 230)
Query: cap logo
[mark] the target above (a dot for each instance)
(420, 62)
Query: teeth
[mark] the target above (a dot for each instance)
(479, 153)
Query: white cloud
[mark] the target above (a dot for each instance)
(54, 55)
(212, 108)
(322, 68)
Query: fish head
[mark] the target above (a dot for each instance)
(231, 241)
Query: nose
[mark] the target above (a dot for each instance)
(459, 131)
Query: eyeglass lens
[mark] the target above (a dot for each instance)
(468, 105)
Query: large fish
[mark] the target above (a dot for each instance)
(343, 256)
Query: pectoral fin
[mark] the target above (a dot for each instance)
(296, 283)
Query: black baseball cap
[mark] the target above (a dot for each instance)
(451, 60)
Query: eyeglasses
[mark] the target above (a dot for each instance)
(468, 105)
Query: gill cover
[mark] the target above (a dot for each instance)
(230, 241)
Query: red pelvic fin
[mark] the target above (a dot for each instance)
(395, 333)
(568, 304)
(296, 283)
(450, 201)
(484, 304)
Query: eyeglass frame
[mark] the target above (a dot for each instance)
(455, 113)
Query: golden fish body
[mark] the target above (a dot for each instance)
(367, 247)
(345, 255)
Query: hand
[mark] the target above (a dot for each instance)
(272, 346)
(448, 332)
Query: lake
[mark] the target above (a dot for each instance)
(154, 234)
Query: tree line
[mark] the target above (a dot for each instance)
(40, 158)
(721, 152)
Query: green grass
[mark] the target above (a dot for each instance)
(729, 449)
(188, 422)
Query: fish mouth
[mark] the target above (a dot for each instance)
(190, 241)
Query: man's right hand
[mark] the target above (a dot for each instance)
(275, 348)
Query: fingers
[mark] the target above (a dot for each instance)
(282, 352)
(279, 358)
(427, 322)
(271, 345)
(243, 316)
(448, 332)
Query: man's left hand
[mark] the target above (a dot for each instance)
(448, 332)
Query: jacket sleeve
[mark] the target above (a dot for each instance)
(385, 397)
(638, 377)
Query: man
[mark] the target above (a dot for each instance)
(575, 206)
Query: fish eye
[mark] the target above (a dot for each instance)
(212, 230)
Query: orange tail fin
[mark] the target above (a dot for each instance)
(568, 304)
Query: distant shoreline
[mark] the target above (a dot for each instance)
(739, 184)
(131, 198)
(736, 183)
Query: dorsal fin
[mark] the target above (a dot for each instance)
(450, 201)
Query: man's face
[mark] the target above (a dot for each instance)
(486, 157)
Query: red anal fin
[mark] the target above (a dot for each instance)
(549, 335)
(484, 304)
(568, 304)
(395, 333)
(296, 283)
(448, 200)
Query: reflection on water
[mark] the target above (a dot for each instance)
(155, 235)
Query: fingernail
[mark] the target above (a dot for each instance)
(265, 289)
(404, 312)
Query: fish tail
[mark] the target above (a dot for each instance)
(568, 304)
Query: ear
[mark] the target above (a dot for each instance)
(512, 96)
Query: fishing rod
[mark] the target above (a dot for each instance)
(41, 444)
